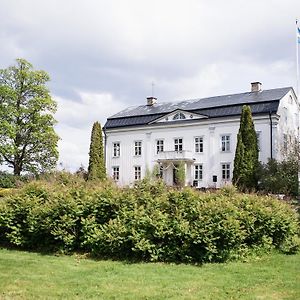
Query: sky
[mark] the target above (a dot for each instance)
(103, 55)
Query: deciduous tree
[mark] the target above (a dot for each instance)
(28, 142)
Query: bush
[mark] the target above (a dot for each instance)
(7, 180)
(279, 177)
(147, 222)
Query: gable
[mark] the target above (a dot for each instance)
(179, 115)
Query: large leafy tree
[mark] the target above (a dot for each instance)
(246, 155)
(96, 169)
(28, 142)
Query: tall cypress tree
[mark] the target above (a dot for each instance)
(246, 153)
(96, 169)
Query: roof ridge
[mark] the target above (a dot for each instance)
(225, 95)
(207, 102)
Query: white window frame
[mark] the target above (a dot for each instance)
(137, 148)
(178, 146)
(179, 116)
(199, 144)
(226, 171)
(160, 145)
(116, 149)
(116, 173)
(225, 143)
(137, 172)
(198, 172)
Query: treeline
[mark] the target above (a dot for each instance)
(147, 222)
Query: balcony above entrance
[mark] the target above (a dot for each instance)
(184, 155)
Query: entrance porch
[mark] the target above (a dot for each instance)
(169, 162)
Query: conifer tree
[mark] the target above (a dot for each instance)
(96, 169)
(246, 154)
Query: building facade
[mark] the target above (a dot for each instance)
(199, 134)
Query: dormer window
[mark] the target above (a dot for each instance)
(179, 116)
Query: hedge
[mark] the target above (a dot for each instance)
(147, 222)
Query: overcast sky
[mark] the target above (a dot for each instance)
(102, 56)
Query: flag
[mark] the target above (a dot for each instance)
(298, 32)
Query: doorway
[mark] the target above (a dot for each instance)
(175, 179)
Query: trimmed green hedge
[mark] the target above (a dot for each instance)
(147, 222)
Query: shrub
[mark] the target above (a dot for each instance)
(279, 177)
(7, 180)
(147, 222)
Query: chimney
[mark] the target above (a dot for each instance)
(256, 86)
(151, 101)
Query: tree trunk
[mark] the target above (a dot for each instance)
(17, 169)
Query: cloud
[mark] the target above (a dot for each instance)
(110, 51)
(75, 120)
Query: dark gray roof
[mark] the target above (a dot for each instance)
(139, 120)
(232, 110)
(219, 106)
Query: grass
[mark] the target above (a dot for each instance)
(25, 275)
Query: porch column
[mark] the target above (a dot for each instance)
(188, 174)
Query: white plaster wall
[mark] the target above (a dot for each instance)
(288, 123)
(211, 158)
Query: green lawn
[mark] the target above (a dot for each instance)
(25, 275)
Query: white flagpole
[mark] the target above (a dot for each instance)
(297, 59)
(297, 94)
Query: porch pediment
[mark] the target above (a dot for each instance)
(179, 115)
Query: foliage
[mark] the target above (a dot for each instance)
(180, 174)
(246, 153)
(28, 142)
(96, 169)
(81, 172)
(155, 174)
(7, 180)
(279, 177)
(5, 192)
(147, 222)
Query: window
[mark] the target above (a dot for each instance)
(159, 146)
(137, 173)
(179, 116)
(178, 144)
(258, 140)
(225, 143)
(198, 144)
(198, 172)
(116, 173)
(116, 149)
(226, 171)
(138, 148)
(285, 114)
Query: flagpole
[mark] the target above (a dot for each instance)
(297, 95)
(297, 59)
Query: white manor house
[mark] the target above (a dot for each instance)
(201, 133)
